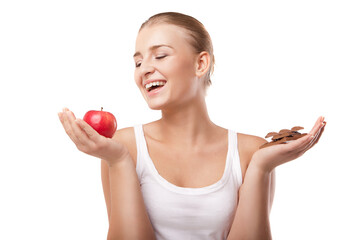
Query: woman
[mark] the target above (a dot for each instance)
(182, 176)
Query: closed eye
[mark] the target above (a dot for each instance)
(137, 64)
(160, 56)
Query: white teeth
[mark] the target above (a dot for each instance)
(149, 85)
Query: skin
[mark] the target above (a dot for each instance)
(196, 146)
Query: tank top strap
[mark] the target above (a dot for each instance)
(140, 148)
(233, 151)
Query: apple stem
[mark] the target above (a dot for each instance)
(101, 108)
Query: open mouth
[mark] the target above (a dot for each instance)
(154, 85)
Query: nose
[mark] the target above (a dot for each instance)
(146, 69)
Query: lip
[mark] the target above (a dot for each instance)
(153, 80)
(156, 91)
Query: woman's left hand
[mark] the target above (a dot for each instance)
(269, 158)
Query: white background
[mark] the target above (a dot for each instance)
(278, 64)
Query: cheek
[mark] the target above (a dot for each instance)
(137, 79)
(182, 68)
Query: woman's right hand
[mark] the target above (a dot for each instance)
(89, 141)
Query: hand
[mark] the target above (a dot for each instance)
(89, 141)
(270, 157)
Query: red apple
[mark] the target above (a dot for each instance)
(103, 122)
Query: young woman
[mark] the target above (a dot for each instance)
(182, 176)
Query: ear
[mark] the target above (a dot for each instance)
(202, 64)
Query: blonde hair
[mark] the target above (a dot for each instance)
(200, 38)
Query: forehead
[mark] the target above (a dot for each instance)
(162, 34)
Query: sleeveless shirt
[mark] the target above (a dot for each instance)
(179, 213)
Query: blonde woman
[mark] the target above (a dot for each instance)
(183, 177)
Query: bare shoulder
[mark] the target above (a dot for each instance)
(247, 146)
(250, 143)
(126, 136)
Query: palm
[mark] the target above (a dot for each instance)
(89, 141)
(270, 157)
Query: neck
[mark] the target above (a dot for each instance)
(188, 124)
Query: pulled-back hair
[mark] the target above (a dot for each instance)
(200, 38)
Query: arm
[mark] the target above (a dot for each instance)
(128, 216)
(251, 220)
(255, 198)
(106, 186)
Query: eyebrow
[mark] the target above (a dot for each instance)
(152, 48)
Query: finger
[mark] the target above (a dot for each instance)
(299, 144)
(62, 119)
(60, 116)
(67, 126)
(317, 138)
(90, 132)
(314, 140)
(321, 132)
(317, 126)
(81, 136)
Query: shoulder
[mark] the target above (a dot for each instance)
(126, 136)
(247, 146)
(249, 143)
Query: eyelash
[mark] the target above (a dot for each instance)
(160, 57)
(157, 57)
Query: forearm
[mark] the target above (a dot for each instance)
(252, 217)
(128, 219)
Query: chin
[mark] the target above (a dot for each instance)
(156, 105)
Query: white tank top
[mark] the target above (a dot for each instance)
(178, 213)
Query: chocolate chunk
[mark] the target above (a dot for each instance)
(281, 140)
(297, 128)
(284, 130)
(278, 136)
(294, 137)
(270, 134)
(284, 136)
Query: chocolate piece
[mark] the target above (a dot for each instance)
(278, 136)
(284, 136)
(281, 140)
(297, 128)
(268, 144)
(270, 134)
(284, 130)
(297, 136)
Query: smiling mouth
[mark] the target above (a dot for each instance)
(154, 85)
